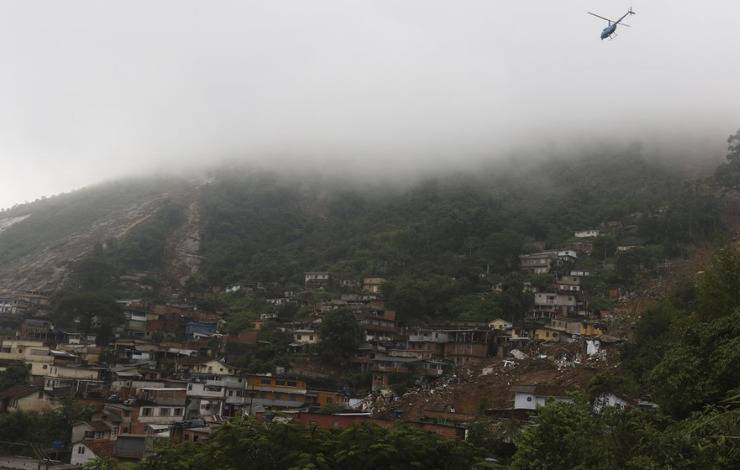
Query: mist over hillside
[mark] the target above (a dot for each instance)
(244, 222)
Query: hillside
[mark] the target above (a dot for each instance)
(248, 226)
(40, 240)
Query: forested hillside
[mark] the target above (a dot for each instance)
(268, 227)
(265, 226)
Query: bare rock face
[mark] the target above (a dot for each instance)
(44, 266)
(184, 245)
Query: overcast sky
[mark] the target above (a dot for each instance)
(91, 90)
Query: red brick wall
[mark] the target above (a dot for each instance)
(344, 421)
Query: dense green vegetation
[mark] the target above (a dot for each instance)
(264, 227)
(728, 174)
(26, 433)
(442, 242)
(246, 443)
(87, 312)
(51, 219)
(571, 435)
(14, 375)
(685, 356)
(144, 249)
(340, 335)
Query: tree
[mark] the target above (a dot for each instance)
(605, 247)
(718, 289)
(611, 382)
(13, 375)
(339, 337)
(728, 174)
(564, 436)
(247, 443)
(88, 312)
(493, 438)
(699, 368)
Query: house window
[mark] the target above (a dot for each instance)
(81, 450)
(265, 381)
(164, 412)
(177, 412)
(146, 412)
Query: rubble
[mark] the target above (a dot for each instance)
(518, 354)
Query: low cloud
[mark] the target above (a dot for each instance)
(92, 90)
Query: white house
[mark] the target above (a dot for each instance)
(609, 400)
(213, 367)
(586, 234)
(306, 336)
(82, 454)
(500, 324)
(531, 397)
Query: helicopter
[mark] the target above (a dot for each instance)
(612, 26)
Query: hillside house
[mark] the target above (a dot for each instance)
(427, 344)
(568, 284)
(26, 398)
(206, 367)
(267, 391)
(36, 329)
(75, 378)
(548, 305)
(87, 451)
(159, 406)
(195, 329)
(577, 326)
(29, 352)
(469, 346)
(500, 324)
(317, 280)
(531, 397)
(9, 306)
(548, 334)
(305, 336)
(537, 263)
(96, 430)
(378, 324)
(373, 284)
(587, 233)
(349, 283)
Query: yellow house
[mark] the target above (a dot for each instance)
(324, 397)
(547, 334)
(576, 326)
(271, 391)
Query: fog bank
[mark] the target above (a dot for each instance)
(95, 90)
